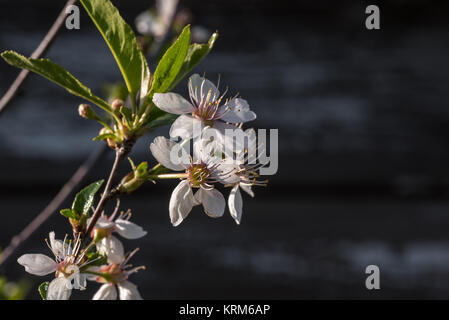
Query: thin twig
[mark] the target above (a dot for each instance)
(40, 50)
(120, 154)
(56, 203)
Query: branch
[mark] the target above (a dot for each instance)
(40, 50)
(120, 155)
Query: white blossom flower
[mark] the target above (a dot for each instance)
(66, 265)
(201, 172)
(204, 109)
(244, 176)
(113, 275)
(109, 244)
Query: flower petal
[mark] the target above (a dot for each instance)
(161, 149)
(235, 204)
(128, 291)
(59, 289)
(247, 189)
(93, 269)
(106, 292)
(181, 202)
(172, 103)
(56, 246)
(129, 230)
(201, 87)
(237, 110)
(186, 127)
(113, 248)
(213, 202)
(232, 137)
(37, 264)
(104, 223)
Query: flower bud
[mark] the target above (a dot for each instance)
(116, 105)
(130, 183)
(111, 143)
(104, 131)
(86, 112)
(97, 234)
(123, 130)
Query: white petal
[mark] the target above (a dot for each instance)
(236, 111)
(56, 246)
(181, 202)
(106, 292)
(172, 103)
(252, 146)
(129, 230)
(37, 264)
(207, 150)
(233, 138)
(93, 269)
(128, 291)
(235, 204)
(247, 189)
(201, 87)
(113, 248)
(104, 223)
(186, 127)
(59, 289)
(161, 149)
(213, 202)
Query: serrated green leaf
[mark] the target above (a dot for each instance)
(68, 213)
(171, 62)
(195, 54)
(43, 288)
(54, 73)
(121, 41)
(85, 198)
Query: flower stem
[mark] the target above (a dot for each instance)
(168, 176)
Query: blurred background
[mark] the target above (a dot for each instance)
(363, 119)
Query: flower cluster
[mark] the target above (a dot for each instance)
(103, 260)
(223, 153)
(209, 149)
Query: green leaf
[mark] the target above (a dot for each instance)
(142, 169)
(43, 288)
(195, 54)
(145, 81)
(121, 41)
(68, 213)
(85, 198)
(171, 62)
(55, 73)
